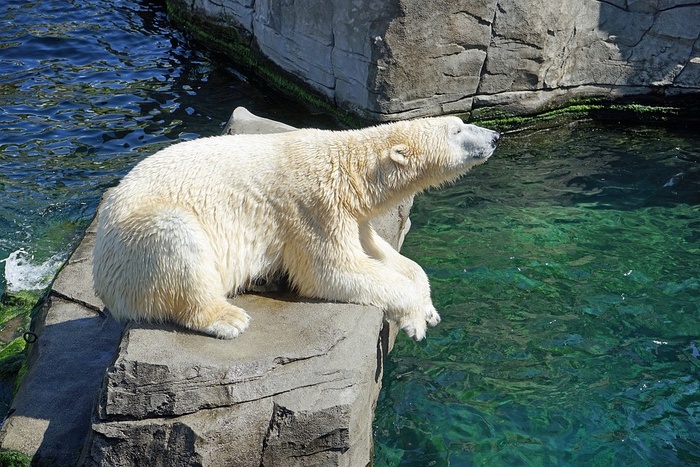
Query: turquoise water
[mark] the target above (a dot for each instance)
(566, 268)
(567, 273)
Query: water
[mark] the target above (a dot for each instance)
(566, 268)
(87, 89)
(567, 272)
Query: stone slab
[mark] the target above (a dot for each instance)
(50, 415)
(290, 344)
(74, 282)
(301, 383)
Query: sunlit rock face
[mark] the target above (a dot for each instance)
(392, 59)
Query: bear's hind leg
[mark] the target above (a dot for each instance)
(184, 280)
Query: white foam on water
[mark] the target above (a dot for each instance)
(23, 273)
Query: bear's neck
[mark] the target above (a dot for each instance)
(367, 190)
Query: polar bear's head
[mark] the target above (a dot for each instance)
(470, 144)
(438, 150)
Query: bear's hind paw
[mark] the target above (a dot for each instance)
(223, 330)
(229, 324)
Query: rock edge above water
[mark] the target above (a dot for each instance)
(386, 60)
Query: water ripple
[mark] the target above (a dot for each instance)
(567, 277)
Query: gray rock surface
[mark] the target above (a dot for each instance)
(50, 415)
(393, 59)
(299, 387)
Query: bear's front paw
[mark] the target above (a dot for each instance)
(432, 316)
(415, 329)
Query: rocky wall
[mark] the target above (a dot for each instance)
(394, 59)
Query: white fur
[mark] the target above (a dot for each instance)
(200, 220)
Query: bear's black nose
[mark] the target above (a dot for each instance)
(496, 137)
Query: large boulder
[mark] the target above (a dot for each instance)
(297, 388)
(393, 59)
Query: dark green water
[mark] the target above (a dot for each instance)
(567, 273)
(566, 268)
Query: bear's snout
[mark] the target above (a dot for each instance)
(487, 145)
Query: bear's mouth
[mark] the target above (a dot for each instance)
(488, 151)
(484, 154)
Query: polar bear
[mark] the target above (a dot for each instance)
(200, 220)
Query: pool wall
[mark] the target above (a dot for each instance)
(386, 60)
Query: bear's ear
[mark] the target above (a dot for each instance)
(398, 154)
